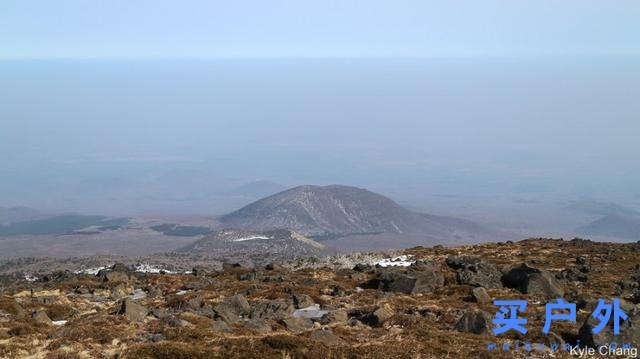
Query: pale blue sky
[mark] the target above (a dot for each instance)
(329, 28)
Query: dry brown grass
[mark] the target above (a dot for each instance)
(169, 350)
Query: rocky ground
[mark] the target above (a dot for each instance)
(430, 303)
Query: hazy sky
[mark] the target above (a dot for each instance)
(281, 28)
(521, 98)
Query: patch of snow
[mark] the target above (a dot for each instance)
(250, 238)
(30, 278)
(148, 268)
(400, 261)
(59, 323)
(310, 312)
(91, 271)
(181, 292)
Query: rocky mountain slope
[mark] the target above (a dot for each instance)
(437, 302)
(341, 210)
(241, 243)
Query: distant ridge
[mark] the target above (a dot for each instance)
(615, 225)
(341, 210)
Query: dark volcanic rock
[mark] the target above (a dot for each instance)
(533, 281)
(408, 281)
(477, 322)
(476, 272)
(117, 273)
(573, 275)
(302, 301)
(335, 316)
(374, 317)
(629, 330)
(272, 309)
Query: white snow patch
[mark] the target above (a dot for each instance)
(251, 238)
(91, 271)
(148, 268)
(30, 278)
(181, 292)
(310, 312)
(400, 261)
(59, 323)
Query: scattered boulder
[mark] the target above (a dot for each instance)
(40, 317)
(297, 324)
(114, 277)
(272, 309)
(409, 281)
(334, 316)
(573, 274)
(475, 321)
(629, 330)
(302, 301)
(480, 295)
(232, 309)
(533, 281)
(160, 313)
(335, 291)
(117, 273)
(381, 315)
(199, 271)
(132, 311)
(361, 267)
(272, 266)
(583, 264)
(475, 272)
(373, 317)
(239, 304)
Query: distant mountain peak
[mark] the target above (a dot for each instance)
(340, 210)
